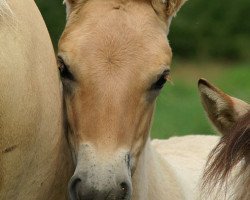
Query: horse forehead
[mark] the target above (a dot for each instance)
(111, 29)
(119, 53)
(118, 56)
(111, 35)
(113, 46)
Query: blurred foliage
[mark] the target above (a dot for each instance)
(204, 29)
(179, 110)
(54, 14)
(212, 29)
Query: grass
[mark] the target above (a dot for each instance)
(179, 111)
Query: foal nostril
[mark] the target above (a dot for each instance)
(124, 186)
(125, 190)
(79, 190)
(73, 188)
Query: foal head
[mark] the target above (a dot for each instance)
(114, 59)
(231, 117)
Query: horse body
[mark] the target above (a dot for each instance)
(172, 169)
(227, 175)
(34, 159)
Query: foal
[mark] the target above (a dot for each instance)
(229, 162)
(114, 60)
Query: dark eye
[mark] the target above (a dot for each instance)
(64, 70)
(161, 81)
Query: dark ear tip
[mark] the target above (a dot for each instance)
(204, 82)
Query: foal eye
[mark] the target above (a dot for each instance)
(63, 69)
(161, 81)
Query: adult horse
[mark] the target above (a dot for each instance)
(34, 158)
(228, 166)
(114, 59)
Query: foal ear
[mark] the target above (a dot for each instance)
(70, 4)
(167, 9)
(222, 109)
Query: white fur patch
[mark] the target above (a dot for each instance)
(68, 7)
(102, 170)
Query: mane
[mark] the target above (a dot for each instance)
(4, 9)
(232, 150)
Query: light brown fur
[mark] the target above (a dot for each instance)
(111, 54)
(35, 162)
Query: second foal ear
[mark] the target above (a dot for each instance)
(222, 109)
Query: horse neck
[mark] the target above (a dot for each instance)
(153, 177)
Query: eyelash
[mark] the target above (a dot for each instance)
(64, 71)
(161, 81)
